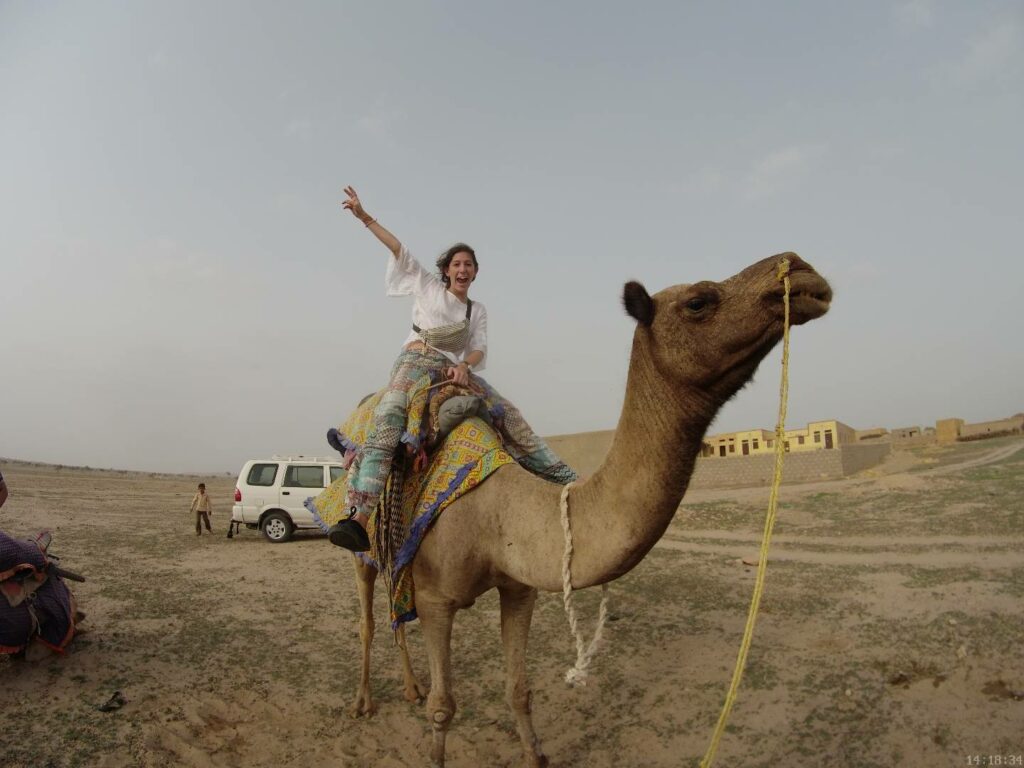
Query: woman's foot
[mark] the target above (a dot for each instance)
(350, 535)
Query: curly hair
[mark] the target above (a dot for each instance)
(445, 259)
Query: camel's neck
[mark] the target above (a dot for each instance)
(619, 513)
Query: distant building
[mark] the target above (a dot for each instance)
(906, 433)
(874, 433)
(817, 435)
(1012, 424)
(951, 430)
(948, 430)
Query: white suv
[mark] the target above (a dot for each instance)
(271, 493)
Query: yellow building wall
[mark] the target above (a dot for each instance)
(733, 442)
(759, 441)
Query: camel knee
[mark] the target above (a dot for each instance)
(519, 698)
(441, 710)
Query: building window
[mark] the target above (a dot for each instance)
(786, 445)
(817, 437)
(800, 440)
(755, 445)
(769, 443)
(732, 449)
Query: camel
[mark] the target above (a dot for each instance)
(694, 347)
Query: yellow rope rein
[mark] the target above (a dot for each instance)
(769, 523)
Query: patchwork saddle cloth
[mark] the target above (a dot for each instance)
(416, 496)
(34, 604)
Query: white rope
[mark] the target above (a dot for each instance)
(577, 675)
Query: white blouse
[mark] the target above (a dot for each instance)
(434, 305)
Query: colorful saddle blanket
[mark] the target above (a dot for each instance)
(466, 457)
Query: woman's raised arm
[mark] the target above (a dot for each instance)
(353, 204)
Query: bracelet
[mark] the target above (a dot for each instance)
(371, 221)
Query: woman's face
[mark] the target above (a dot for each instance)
(460, 273)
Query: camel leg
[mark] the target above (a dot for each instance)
(413, 690)
(436, 620)
(366, 575)
(516, 614)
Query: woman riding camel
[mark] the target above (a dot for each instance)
(449, 340)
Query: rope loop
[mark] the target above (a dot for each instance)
(585, 652)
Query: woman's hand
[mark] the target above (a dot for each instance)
(353, 204)
(459, 374)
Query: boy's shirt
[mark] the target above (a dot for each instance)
(201, 503)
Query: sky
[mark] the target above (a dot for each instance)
(180, 289)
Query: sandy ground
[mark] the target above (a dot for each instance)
(890, 634)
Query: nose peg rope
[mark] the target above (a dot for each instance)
(577, 675)
(769, 523)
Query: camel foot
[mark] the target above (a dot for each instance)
(363, 705)
(440, 721)
(414, 693)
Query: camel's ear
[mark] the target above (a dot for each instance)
(638, 302)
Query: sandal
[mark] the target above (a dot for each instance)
(350, 535)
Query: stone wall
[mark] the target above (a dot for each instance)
(857, 458)
(988, 427)
(803, 467)
(585, 452)
(917, 442)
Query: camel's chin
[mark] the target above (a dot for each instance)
(803, 308)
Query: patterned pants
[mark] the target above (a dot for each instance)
(369, 471)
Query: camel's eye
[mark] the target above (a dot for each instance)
(701, 302)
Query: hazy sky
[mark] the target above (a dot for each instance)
(180, 290)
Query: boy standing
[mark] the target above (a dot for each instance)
(201, 506)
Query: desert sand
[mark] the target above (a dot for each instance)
(889, 635)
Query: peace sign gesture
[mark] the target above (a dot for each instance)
(353, 204)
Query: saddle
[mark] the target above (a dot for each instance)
(434, 411)
(37, 610)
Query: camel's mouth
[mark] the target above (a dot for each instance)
(809, 296)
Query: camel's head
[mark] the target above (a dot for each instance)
(714, 335)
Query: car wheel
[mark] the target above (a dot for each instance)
(277, 527)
